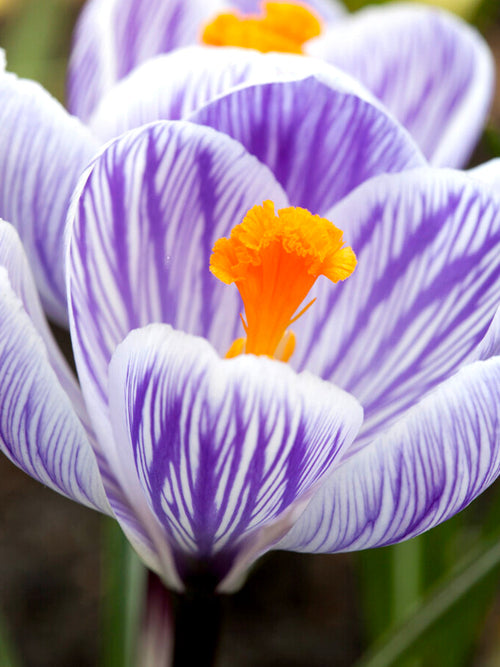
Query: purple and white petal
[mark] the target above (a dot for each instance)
(13, 258)
(221, 448)
(145, 219)
(489, 173)
(43, 151)
(433, 72)
(114, 36)
(39, 430)
(425, 469)
(319, 140)
(173, 85)
(490, 345)
(132, 512)
(425, 290)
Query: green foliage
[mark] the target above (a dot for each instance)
(8, 654)
(36, 40)
(458, 569)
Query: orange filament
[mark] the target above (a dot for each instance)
(274, 260)
(282, 26)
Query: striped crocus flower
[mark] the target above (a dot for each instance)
(348, 400)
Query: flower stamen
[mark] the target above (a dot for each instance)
(302, 311)
(274, 260)
(281, 26)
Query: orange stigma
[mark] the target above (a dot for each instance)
(274, 261)
(282, 26)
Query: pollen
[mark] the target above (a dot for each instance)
(281, 26)
(274, 260)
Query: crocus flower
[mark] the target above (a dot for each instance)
(430, 69)
(207, 462)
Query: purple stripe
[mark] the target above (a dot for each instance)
(451, 229)
(319, 142)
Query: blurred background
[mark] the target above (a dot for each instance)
(434, 601)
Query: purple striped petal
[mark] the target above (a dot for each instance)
(13, 258)
(173, 85)
(21, 282)
(489, 174)
(490, 345)
(222, 448)
(431, 70)
(114, 36)
(131, 509)
(42, 153)
(427, 467)
(319, 141)
(423, 295)
(147, 216)
(39, 431)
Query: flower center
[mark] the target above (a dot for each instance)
(282, 26)
(274, 261)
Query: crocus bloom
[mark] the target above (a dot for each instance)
(431, 70)
(208, 462)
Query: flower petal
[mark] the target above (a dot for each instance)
(173, 85)
(425, 469)
(490, 345)
(42, 153)
(223, 448)
(39, 431)
(114, 36)
(423, 295)
(319, 140)
(432, 71)
(488, 172)
(13, 258)
(146, 217)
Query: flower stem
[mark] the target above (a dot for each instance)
(155, 643)
(407, 571)
(123, 579)
(197, 626)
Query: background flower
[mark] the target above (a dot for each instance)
(430, 69)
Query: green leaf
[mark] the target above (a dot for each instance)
(473, 577)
